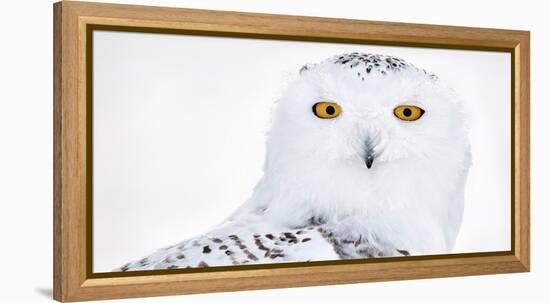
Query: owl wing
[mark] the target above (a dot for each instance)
(239, 244)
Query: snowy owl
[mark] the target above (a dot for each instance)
(367, 157)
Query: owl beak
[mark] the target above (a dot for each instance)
(369, 159)
(369, 152)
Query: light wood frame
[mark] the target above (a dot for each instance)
(73, 23)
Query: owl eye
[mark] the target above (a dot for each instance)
(326, 110)
(408, 112)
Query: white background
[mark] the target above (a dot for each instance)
(179, 133)
(26, 153)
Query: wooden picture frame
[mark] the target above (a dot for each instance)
(73, 25)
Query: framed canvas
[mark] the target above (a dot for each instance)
(204, 151)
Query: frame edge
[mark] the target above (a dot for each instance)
(57, 161)
(522, 136)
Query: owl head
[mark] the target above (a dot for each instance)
(369, 132)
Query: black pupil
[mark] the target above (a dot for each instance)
(330, 110)
(407, 112)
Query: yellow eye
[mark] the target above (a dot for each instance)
(326, 110)
(408, 112)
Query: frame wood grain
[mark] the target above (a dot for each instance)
(73, 279)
